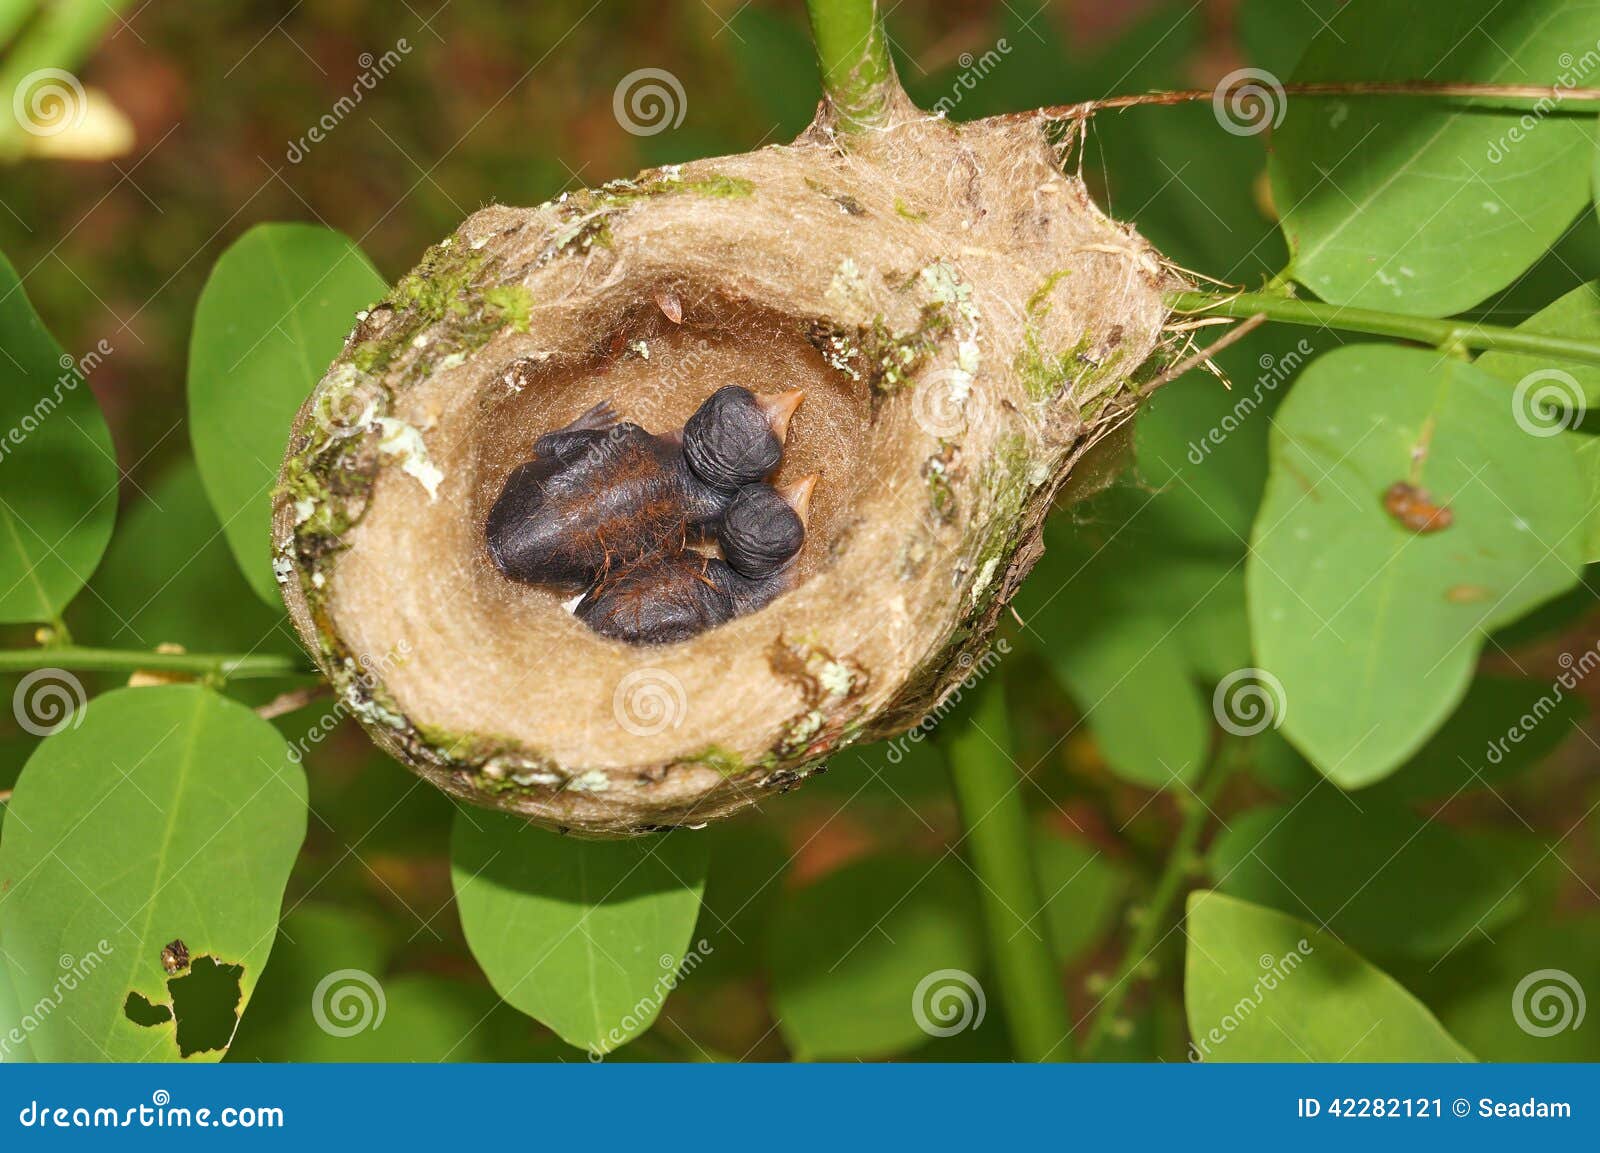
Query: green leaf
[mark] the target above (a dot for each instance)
(1515, 998)
(1373, 628)
(167, 813)
(1576, 315)
(58, 472)
(272, 316)
(1128, 675)
(741, 893)
(314, 941)
(168, 576)
(586, 937)
(1503, 726)
(1083, 889)
(1260, 986)
(1561, 393)
(1143, 602)
(850, 953)
(1588, 454)
(1275, 34)
(1422, 205)
(1378, 876)
(14, 1025)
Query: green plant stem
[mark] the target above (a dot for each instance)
(1451, 335)
(989, 798)
(853, 54)
(228, 666)
(1153, 914)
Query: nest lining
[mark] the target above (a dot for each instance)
(964, 322)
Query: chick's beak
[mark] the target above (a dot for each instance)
(779, 408)
(798, 495)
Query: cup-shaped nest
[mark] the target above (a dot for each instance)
(965, 323)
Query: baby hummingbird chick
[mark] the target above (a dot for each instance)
(681, 593)
(602, 493)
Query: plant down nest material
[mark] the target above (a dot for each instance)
(966, 325)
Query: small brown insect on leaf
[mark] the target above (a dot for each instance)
(1415, 508)
(175, 957)
(671, 307)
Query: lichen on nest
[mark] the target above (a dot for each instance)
(966, 324)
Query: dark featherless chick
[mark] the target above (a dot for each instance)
(680, 593)
(601, 493)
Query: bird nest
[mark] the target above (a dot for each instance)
(965, 323)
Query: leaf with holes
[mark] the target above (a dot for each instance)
(1262, 986)
(273, 314)
(58, 473)
(587, 937)
(144, 857)
(1407, 512)
(1418, 204)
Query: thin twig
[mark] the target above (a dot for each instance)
(1352, 88)
(1154, 914)
(1447, 334)
(1244, 329)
